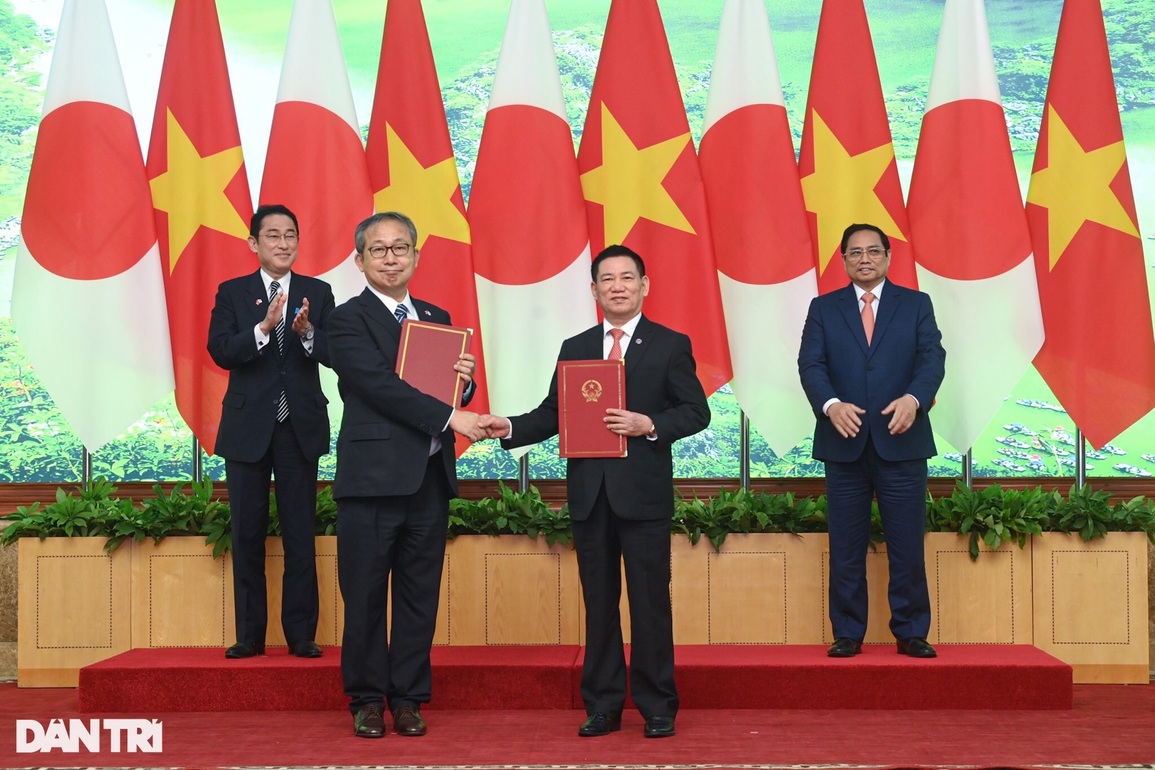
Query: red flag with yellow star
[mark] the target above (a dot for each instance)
(642, 184)
(200, 197)
(412, 170)
(1099, 355)
(846, 161)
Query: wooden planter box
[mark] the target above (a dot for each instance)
(772, 589)
(1086, 604)
(73, 608)
(1090, 605)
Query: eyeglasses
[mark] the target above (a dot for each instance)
(398, 249)
(273, 236)
(874, 252)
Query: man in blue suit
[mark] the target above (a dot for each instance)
(871, 362)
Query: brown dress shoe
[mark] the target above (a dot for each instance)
(242, 650)
(369, 721)
(407, 721)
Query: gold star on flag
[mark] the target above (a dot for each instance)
(629, 181)
(192, 191)
(424, 194)
(1075, 187)
(841, 189)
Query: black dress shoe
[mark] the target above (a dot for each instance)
(244, 650)
(369, 721)
(659, 727)
(407, 721)
(600, 724)
(916, 647)
(305, 650)
(844, 647)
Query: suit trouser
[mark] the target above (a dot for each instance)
(403, 538)
(603, 541)
(901, 491)
(296, 491)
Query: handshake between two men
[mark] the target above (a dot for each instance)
(476, 427)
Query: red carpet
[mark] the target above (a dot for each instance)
(1108, 725)
(547, 677)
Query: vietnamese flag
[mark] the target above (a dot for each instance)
(315, 163)
(412, 169)
(1099, 356)
(846, 162)
(970, 232)
(758, 218)
(201, 199)
(526, 172)
(642, 184)
(88, 296)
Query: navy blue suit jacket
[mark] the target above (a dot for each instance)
(257, 377)
(905, 356)
(387, 426)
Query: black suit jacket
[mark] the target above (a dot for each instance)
(905, 356)
(257, 377)
(661, 382)
(383, 447)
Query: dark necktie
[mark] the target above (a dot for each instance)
(279, 332)
(401, 312)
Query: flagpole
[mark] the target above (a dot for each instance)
(744, 453)
(1080, 458)
(86, 469)
(968, 470)
(523, 473)
(198, 463)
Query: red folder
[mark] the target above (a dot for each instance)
(426, 357)
(585, 390)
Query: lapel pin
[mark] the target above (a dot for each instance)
(260, 302)
(637, 340)
(428, 313)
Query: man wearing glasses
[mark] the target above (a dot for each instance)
(396, 472)
(268, 330)
(871, 362)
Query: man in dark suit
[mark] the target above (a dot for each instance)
(621, 507)
(274, 423)
(871, 361)
(396, 472)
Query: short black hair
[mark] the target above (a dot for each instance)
(858, 228)
(617, 250)
(267, 210)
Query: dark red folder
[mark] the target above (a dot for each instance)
(426, 357)
(585, 390)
